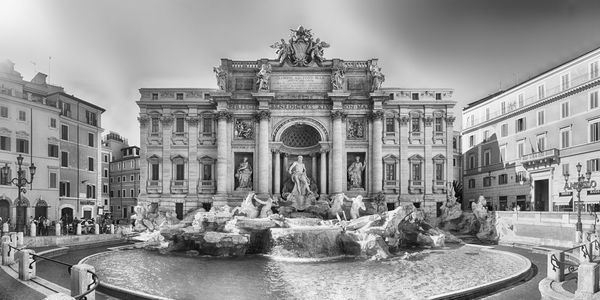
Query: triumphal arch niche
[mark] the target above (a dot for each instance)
(300, 127)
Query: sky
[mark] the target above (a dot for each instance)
(104, 51)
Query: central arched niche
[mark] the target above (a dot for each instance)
(300, 136)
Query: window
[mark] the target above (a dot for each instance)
(154, 125)
(503, 107)
(105, 174)
(471, 183)
(131, 193)
(207, 172)
(541, 142)
(389, 125)
(502, 157)
(454, 162)
(390, 172)
(105, 157)
(520, 124)
(486, 135)
(415, 125)
(5, 143)
(541, 91)
(5, 179)
(487, 157)
(595, 131)
(565, 169)
(179, 125)
(22, 146)
(154, 96)
(179, 96)
(438, 125)
(472, 162)
(487, 181)
(91, 139)
(90, 191)
(118, 178)
(565, 137)
(415, 96)
(594, 70)
(131, 178)
(118, 193)
(503, 179)
(593, 165)
(52, 150)
(520, 98)
(521, 148)
(123, 193)
(154, 171)
(439, 171)
(540, 117)
(66, 109)
(594, 100)
(3, 111)
(111, 180)
(53, 122)
(487, 113)
(179, 171)
(504, 130)
(124, 178)
(90, 118)
(64, 159)
(22, 115)
(65, 189)
(564, 82)
(64, 132)
(503, 200)
(104, 188)
(207, 125)
(52, 180)
(564, 109)
(416, 171)
(471, 140)
(90, 164)
(438, 96)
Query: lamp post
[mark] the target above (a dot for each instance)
(583, 182)
(20, 181)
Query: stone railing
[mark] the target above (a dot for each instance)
(179, 186)
(415, 186)
(154, 187)
(546, 157)
(438, 186)
(415, 136)
(206, 186)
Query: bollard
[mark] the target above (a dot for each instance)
(13, 239)
(57, 229)
(80, 279)
(8, 255)
(78, 232)
(556, 272)
(20, 239)
(587, 280)
(112, 228)
(25, 259)
(5, 228)
(96, 229)
(33, 229)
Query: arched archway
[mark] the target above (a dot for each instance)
(4, 209)
(41, 209)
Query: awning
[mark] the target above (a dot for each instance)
(595, 198)
(563, 200)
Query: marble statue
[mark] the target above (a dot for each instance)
(300, 49)
(264, 78)
(337, 80)
(355, 173)
(451, 210)
(265, 211)
(316, 50)
(244, 129)
(378, 77)
(356, 129)
(247, 208)
(244, 175)
(336, 206)
(221, 78)
(301, 184)
(357, 203)
(480, 208)
(284, 50)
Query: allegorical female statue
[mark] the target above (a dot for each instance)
(355, 173)
(244, 175)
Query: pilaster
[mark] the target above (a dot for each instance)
(167, 131)
(144, 120)
(223, 117)
(263, 115)
(193, 165)
(377, 116)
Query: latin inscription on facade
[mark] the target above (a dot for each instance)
(305, 83)
(289, 106)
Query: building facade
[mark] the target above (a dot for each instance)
(519, 143)
(125, 183)
(201, 146)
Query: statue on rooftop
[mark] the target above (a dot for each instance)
(264, 78)
(300, 50)
(337, 80)
(378, 77)
(221, 77)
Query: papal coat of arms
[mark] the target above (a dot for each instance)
(301, 49)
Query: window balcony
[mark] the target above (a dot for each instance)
(155, 138)
(541, 158)
(439, 186)
(415, 136)
(206, 186)
(179, 186)
(391, 186)
(207, 138)
(415, 186)
(439, 136)
(179, 138)
(154, 187)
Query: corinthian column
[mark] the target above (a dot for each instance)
(264, 155)
(277, 175)
(223, 117)
(337, 153)
(376, 162)
(323, 172)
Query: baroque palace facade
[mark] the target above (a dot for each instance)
(201, 146)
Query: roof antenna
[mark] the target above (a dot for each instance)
(49, 61)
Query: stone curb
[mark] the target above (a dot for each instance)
(489, 287)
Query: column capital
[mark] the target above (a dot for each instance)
(376, 115)
(166, 119)
(143, 119)
(427, 120)
(262, 114)
(193, 120)
(338, 114)
(450, 120)
(403, 119)
(276, 150)
(223, 114)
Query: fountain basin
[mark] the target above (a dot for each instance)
(305, 242)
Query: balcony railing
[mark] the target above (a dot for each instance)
(206, 186)
(438, 186)
(415, 136)
(154, 187)
(179, 186)
(415, 186)
(546, 157)
(439, 136)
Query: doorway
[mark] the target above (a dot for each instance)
(66, 214)
(179, 210)
(541, 195)
(21, 218)
(4, 210)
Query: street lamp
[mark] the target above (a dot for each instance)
(583, 182)
(20, 181)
